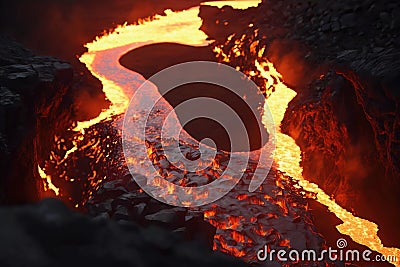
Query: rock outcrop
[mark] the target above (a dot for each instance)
(33, 100)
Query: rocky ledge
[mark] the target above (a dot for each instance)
(33, 101)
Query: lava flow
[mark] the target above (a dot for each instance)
(102, 59)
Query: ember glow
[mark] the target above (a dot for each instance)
(183, 28)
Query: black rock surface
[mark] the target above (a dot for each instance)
(50, 234)
(33, 101)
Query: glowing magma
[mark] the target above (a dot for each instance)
(48, 185)
(183, 27)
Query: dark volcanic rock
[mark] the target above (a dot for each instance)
(49, 234)
(122, 200)
(32, 106)
(348, 20)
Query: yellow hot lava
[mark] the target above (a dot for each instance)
(48, 184)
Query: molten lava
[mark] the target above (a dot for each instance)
(118, 85)
(48, 185)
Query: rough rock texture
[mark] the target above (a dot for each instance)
(342, 58)
(334, 142)
(244, 222)
(49, 234)
(122, 200)
(32, 91)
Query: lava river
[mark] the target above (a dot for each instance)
(276, 213)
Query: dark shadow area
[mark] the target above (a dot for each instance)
(149, 60)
